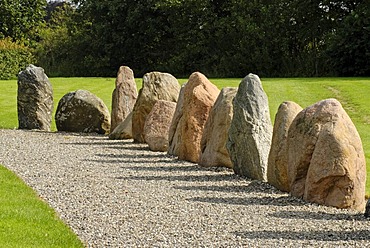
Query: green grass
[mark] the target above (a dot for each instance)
(351, 92)
(26, 220)
(101, 87)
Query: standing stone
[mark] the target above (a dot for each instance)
(216, 130)
(156, 86)
(198, 99)
(123, 130)
(277, 170)
(123, 97)
(157, 125)
(82, 111)
(250, 130)
(34, 99)
(326, 162)
(174, 132)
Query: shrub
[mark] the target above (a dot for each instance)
(13, 58)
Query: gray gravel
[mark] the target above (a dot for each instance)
(120, 194)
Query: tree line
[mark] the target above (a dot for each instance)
(272, 38)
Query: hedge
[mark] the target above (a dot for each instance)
(13, 58)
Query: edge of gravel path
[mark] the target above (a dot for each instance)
(120, 194)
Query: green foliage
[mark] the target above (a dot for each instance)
(58, 50)
(13, 58)
(350, 44)
(21, 20)
(220, 38)
(26, 221)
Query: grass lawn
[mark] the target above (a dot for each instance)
(351, 92)
(27, 221)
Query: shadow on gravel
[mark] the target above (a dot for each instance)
(226, 189)
(189, 178)
(131, 146)
(253, 186)
(305, 235)
(124, 156)
(271, 201)
(163, 168)
(97, 142)
(119, 145)
(132, 159)
(306, 215)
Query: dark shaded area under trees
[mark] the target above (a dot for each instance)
(275, 38)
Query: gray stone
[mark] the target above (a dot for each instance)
(82, 111)
(216, 130)
(250, 131)
(157, 125)
(277, 170)
(34, 99)
(123, 130)
(156, 86)
(123, 97)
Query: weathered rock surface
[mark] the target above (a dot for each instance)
(157, 125)
(156, 86)
(82, 111)
(326, 158)
(250, 131)
(277, 170)
(174, 132)
(123, 97)
(198, 99)
(123, 130)
(216, 131)
(34, 99)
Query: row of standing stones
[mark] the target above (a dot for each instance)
(314, 153)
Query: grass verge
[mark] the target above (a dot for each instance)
(26, 220)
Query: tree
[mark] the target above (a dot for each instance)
(218, 37)
(21, 20)
(349, 46)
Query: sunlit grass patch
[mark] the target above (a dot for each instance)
(26, 220)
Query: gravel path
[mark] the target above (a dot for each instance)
(120, 194)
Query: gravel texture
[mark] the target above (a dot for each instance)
(120, 194)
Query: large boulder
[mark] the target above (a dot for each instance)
(82, 111)
(326, 162)
(277, 170)
(123, 97)
(156, 86)
(250, 131)
(157, 125)
(34, 99)
(199, 95)
(216, 131)
(123, 130)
